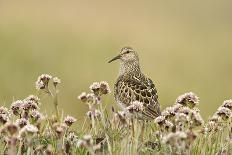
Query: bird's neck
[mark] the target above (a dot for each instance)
(129, 67)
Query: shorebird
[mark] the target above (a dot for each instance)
(133, 86)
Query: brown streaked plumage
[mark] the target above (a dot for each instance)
(132, 85)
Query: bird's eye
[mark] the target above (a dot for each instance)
(127, 52)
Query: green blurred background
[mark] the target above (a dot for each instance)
(183, 46)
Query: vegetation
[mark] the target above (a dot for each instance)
(179, 130)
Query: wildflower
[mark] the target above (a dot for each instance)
(136, 106)
(3, 110)
(4, 118)
(188, 99)
(11, 128)
(182, 117)
(83, 97)
(104, 88)
(32, 98)
(16, 107)
(30, 128)
(172, 137)
(94, 113)
(36, 115)
(225, 113)
(100, 88)
(4, 115)
(21, 122)
(69, 120)
(73, 138)
(168, 112)
(56, 81)
(88, 139)
(42, 81)
(95, 88)
(227, 104)
(59, 129)
(29, 105)
(197, 119)
(160, 120)
(185, 110)
(91, 98)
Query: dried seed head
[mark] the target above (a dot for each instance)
(136, 106)
(188, 99)
(56, 81)
(83, 97)
(42, 81)
(227, 104)
(69, 120)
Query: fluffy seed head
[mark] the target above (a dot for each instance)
(225, 113)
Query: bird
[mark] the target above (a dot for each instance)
(133, 86)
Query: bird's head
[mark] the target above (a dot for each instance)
(126, 55)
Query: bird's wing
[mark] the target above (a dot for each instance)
(139, 88)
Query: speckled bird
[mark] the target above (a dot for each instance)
(132, 85)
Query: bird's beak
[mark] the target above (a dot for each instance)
(115, 58)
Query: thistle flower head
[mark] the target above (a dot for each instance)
(227, 104)
(56, 81)
(136, 106)
(69, 120)
(188, 99)
(42, 81)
